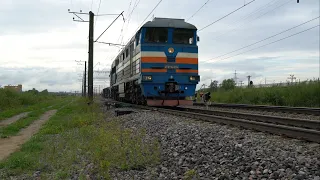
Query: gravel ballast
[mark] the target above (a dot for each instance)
(199, 150)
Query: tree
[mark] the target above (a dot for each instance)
(33, 91)
(44, 92)
(214, 85)
(228, 84)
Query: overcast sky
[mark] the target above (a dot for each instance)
(39, 42)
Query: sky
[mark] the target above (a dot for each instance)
(40, 43)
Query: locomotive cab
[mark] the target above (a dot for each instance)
(169, 62)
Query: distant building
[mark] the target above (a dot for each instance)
(16, 88)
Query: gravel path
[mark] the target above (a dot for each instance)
(290, 115)
(198, 150)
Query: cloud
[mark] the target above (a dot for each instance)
(39, 42)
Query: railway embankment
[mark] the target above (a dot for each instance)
(200, 150)
(103, 142)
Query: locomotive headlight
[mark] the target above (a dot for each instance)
(192, 78)
(147, 78)
(171, 50)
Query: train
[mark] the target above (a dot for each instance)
(158, 66)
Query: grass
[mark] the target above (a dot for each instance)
(78, 139)
(12, 103)
(11, 112)
(14, 128)
(10, 99)
(303, 94)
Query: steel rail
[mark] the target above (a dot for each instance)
(294, 132)
(279, 129)
(312, 124)
(286, 109)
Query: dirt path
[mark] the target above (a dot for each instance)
(11, 144)
(13, 119)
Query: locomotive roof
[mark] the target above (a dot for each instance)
(169, 22)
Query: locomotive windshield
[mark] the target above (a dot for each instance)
(183, 36)
(156, 35)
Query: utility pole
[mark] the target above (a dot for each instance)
(82, 90)
(249, 80)
(241, 82)
(235, 76)
(292, 78)
(91, 42)
(85, 80)
(90, 63)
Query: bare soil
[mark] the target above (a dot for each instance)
(13, 119)
(11, 144)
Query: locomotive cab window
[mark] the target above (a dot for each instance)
(183, 36)
(156, 35)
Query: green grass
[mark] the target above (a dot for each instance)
(10, 99)
(307, 95)
(12, 103)
(78, 135)
(14, 128)
(11, 112)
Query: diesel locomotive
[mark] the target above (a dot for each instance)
(158, 66)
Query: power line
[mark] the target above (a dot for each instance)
(226, 15)
(198, 10)
(96, 21)
(110, 44)
(237, 21)
(271, 42)
(150, 14)
(264, 39)
(91, 5)
(258, 9)
(126, 28)
(106, 15)
(252, 19)
(110, 25)
(121, 32)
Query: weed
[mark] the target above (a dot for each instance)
(12, 103)
(14, 128)
(190, 174)
(303, 94)
(76, 136)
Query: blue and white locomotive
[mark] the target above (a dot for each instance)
(158, 66)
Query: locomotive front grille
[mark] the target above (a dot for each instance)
(172, 87)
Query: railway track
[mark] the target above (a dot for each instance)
(296, 128)
(286, 109)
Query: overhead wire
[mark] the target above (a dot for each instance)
(198, 10)
(96, 21)
(271, 10)
(263, 39)
(146, 17)
(258, 9)
(238, 21)
(124, 23)
(150, 14)
(272, 42)
(91, 5)
(126, 28)
(226, 15)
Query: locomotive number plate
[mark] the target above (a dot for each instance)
(171, 67)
